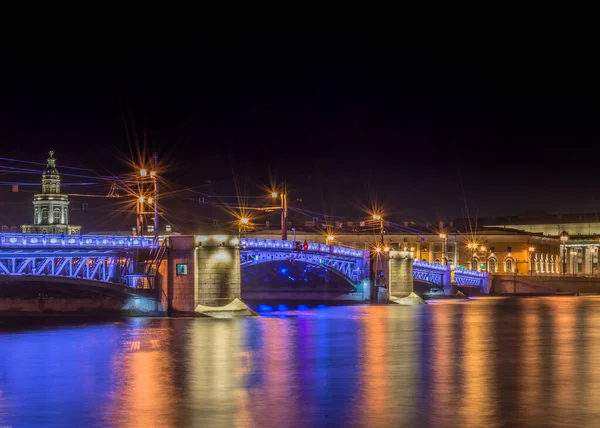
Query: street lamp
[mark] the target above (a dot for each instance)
(283, 196)
(564, 237)
(473, 247)
(444, 237)
(379, 218)
(144, 174)
(330, 238)
(484, 250)
(531, 251)
(243, 222)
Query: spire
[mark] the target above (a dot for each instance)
(51, 160)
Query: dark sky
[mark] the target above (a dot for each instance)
(508, 127)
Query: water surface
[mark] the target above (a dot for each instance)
(491, 362)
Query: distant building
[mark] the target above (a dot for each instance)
(51, 208)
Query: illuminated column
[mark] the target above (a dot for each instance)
(430, 258)
(217, 270)
(400, 273)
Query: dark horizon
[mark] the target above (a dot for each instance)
(426, 135)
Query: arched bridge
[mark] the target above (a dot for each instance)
(439, 275)
(106, 259)
(351, 264)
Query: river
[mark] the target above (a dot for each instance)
(488, 362)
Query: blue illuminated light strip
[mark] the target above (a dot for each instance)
(40, 240)
(290, 245)
(428, 266)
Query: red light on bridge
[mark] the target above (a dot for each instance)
(305, 246)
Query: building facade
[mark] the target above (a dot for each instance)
(50, 206)
(493, 251)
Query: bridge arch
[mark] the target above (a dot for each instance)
(350, 270)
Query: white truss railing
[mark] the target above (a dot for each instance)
(26, 240)
(106, 268)
(470, 277)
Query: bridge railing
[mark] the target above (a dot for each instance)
(13, 240)
(429, 266)
(274, 244)
(471, 277)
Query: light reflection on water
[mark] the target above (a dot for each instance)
(490, 362)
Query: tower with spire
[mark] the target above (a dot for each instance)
(50, 207)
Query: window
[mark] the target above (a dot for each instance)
(437, 261)
(509, 265)
(509, 249)
(182, 269)
(492, 265)
(150, 228)
(579, 251)
(492, 249)
(437, 248)
(450, 248)
(474, 263)
(450, 262)
(56, 215)
(44, 215)
(579, 267)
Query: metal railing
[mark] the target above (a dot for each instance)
(277, 244)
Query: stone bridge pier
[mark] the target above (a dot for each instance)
(204, 276)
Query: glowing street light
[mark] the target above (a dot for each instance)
(444, 237)
(244, 220)
(141, 199)
(143, 172)
(283, 212)
(330, 238)
(376, 217)
(386, 249)
(378, 249)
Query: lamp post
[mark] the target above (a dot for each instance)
(144, 173)
(283, 197)
(484, 250)
(531, 267)
(140, 215)
(379, 218)
(329, 239)
(564, 237)
(444, 238)
(473, 247)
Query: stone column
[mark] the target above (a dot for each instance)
(430, 257)
(218, 273)
(401, 273)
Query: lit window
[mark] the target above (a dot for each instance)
(492, 265)
(509, 265)
(437, 261)
(182, 269)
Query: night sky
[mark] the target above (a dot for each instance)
(427, 132)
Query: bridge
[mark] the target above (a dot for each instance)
(351, 264)
(110, 259)
(99, 258)
(208, 270)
